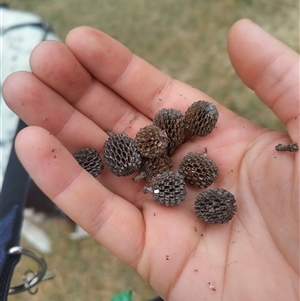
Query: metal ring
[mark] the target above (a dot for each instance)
(38, 277)
(28, 277)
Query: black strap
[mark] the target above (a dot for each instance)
(44, 26)
(12, 200)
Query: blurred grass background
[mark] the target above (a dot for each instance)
(187, 40)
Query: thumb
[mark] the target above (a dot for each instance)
(268, 67)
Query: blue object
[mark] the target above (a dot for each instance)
(12, 199)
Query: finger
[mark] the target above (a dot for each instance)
(106, 107)
(37, 104)
(64, 74)
(142, 85)
(268, 67)
(105, 216)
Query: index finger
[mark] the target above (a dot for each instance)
(123, 87)
(142, 85)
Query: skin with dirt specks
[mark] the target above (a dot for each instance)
(262, 263)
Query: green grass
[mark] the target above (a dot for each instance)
(187, 40)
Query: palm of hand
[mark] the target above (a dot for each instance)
(255, 255)
(250, 252)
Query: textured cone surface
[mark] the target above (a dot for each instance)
(292, 147)
(172, 122)
(121, 155)
(152, 166)
(201, 118)
(215, 206)
(198, 170)
(151, 141)
(90, 160)
(167, 188)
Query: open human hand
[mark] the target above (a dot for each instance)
(92, 84)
